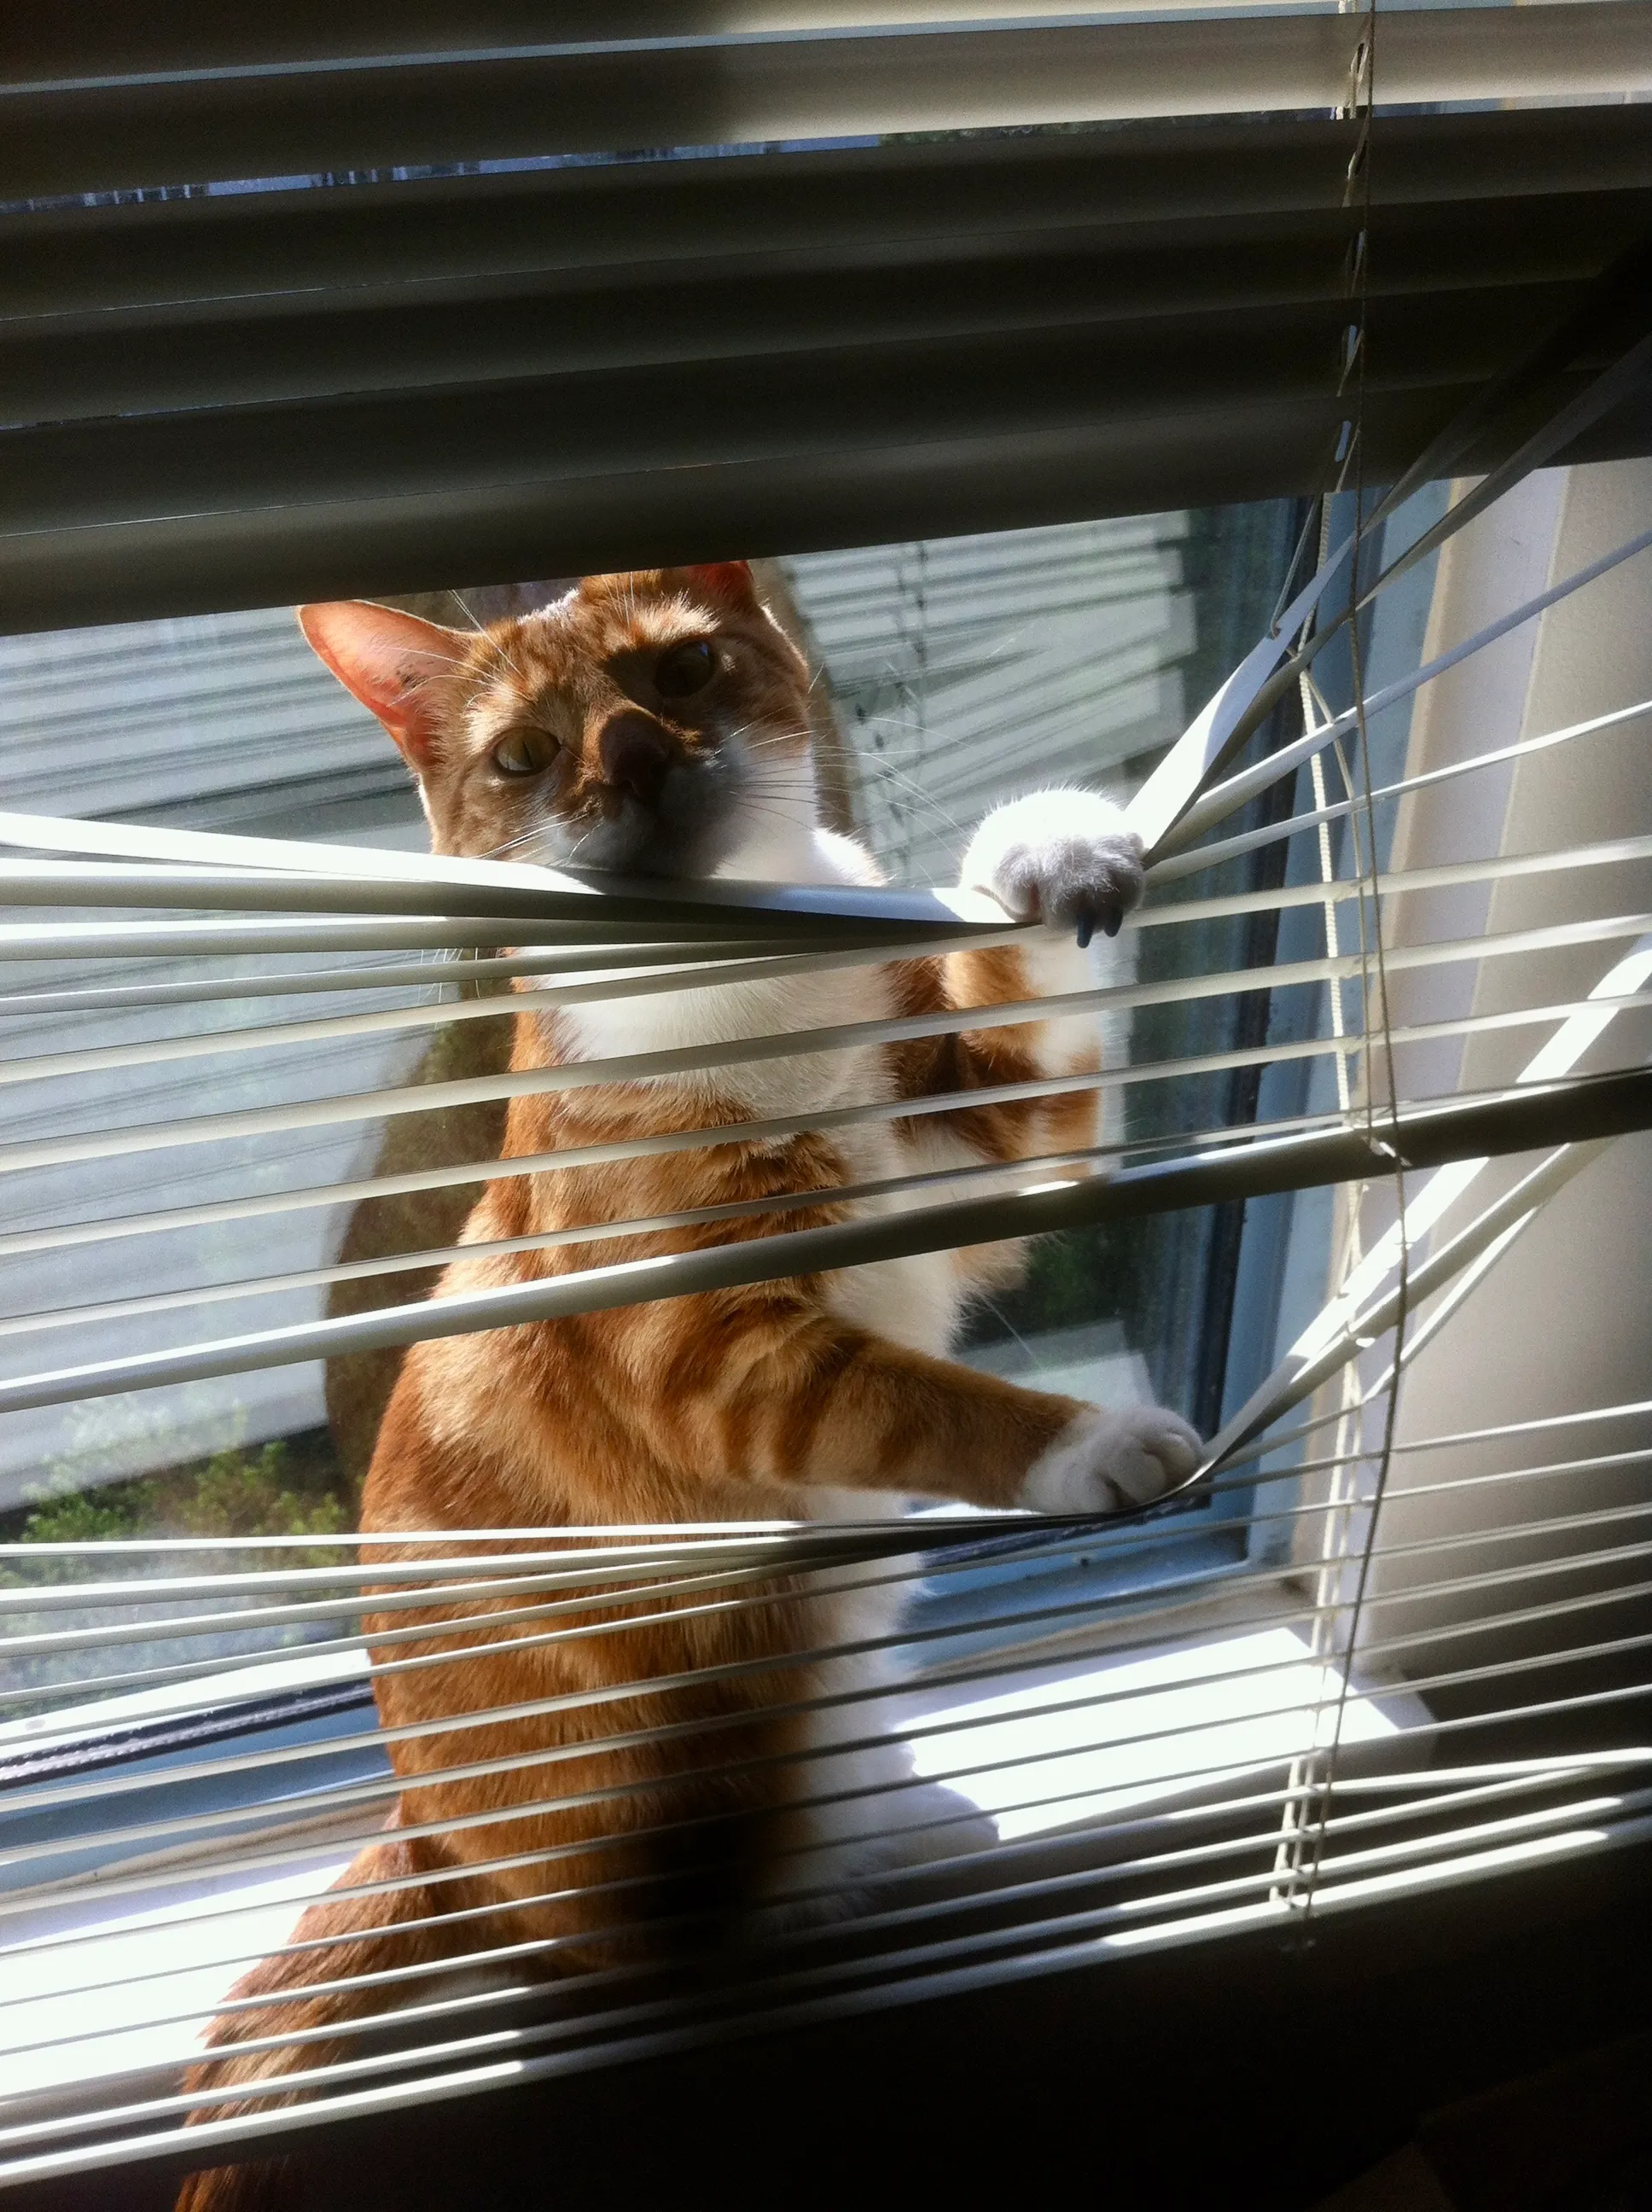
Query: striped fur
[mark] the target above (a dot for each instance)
(679, 1802)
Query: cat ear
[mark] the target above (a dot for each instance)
(729, 581)
(387, 660)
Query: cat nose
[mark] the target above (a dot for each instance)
(636, 755)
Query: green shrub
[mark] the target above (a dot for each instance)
(284, 1488)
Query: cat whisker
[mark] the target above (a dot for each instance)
(886, 771)
(514, 844)
(581, 842)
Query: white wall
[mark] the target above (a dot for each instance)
(1563, 1320)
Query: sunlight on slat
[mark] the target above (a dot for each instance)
(1163, 1716)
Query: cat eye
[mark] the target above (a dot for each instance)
(684, 670)
(525, 752)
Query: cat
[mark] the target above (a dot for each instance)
(656, 724)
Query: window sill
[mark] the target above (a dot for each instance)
(1171, 1727)
(1075, 1744)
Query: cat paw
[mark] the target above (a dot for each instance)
(1063, 858)
(1109, 1462)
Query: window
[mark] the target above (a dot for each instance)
(929, 652)
(1396, 1639)
(1120, 1681)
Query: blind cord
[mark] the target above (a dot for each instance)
(1360, 180)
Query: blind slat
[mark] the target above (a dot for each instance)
(67, 1236)
(1153, 1536)
(1565, 1654)
(1392, 1650)
(1486, 1781)
(574, 1075)
(149, 42)
(541, 325)
(1033, 437)
(1185, 1861)
(1582, 1109)
(864, 1732)
(653, 978)
(172, 129)
(118, 517)
(209, 2136)
(1172, 867)
(933, 1181)
(1215, 805)
(1343, 1866)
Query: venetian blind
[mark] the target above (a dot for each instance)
(187, 1769)
(297, 309)
(275, 1760)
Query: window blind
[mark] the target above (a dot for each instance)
(186, 1771)
(805, 74)
(374, 379)
(1387, 1706)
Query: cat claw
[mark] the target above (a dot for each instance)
(1064, 857)
(1109, 918)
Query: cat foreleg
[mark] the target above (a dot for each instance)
(825, 1402)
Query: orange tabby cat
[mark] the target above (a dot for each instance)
(657, 724)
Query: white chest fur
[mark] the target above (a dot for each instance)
(913, 1301)
(770, 1083)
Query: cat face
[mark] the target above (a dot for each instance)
(650, 724)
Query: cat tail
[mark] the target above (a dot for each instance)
(389, 1930)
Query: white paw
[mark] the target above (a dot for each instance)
(1064, 857)
(1106, 1463)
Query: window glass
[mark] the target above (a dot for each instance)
(953, 675)
(962, 672)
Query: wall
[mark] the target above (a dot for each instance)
(1563, 1321)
